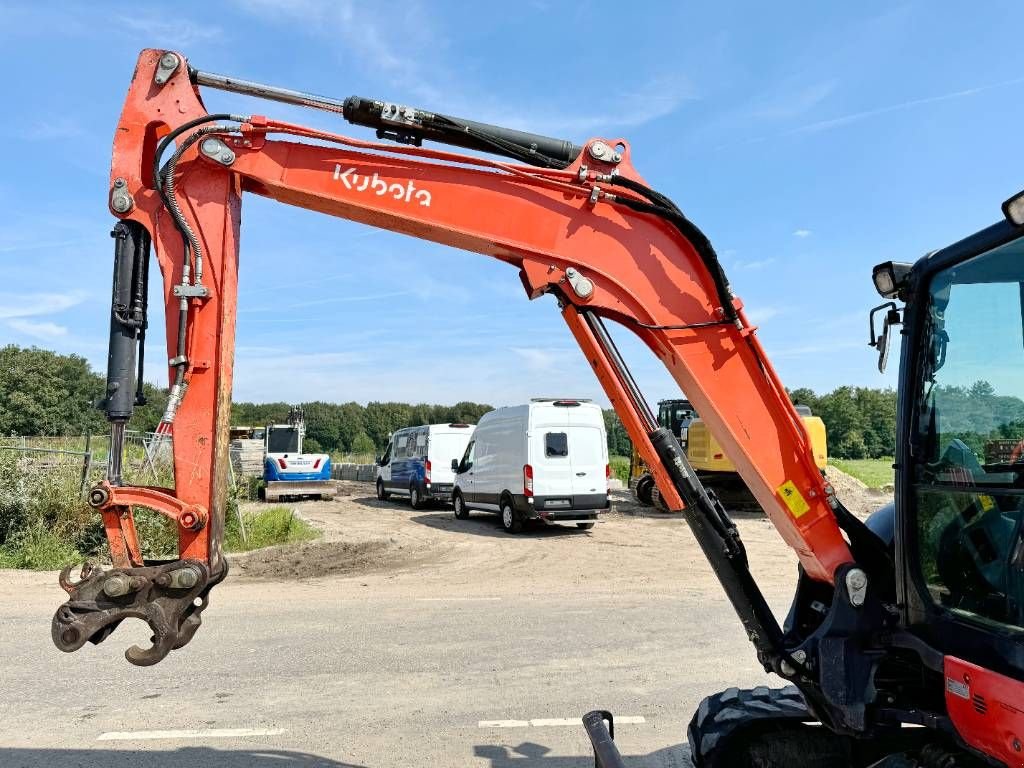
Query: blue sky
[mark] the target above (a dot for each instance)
(809, 140)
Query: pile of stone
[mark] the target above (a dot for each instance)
(246, 457)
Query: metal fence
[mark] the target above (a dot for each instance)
(148, 456)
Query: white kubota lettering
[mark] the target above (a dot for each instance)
(361, 183)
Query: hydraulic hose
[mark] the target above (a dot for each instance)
(666, 209)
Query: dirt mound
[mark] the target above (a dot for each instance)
(311, 560)
(856, 496)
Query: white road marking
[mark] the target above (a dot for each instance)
(503, 724)
(554, 722)
(197, 733)
(456, 599)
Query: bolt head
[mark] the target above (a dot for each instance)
(98, 497)
(169, 60)
(117, 585)
(121, 203)
(211, 146)
(119, 182)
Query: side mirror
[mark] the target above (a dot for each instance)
(455, 466)
(881, 340)
(380, 461)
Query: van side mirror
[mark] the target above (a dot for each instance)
(455, 466)
(380, 461)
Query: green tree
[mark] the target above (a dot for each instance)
(43, 393)
(363, 444)
(618, 441)
(381, 419)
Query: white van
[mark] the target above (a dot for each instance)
(418, 462)
(547, 460)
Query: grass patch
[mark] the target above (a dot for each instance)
(266, 527)
(620, 468)
(38, 549)
(874, 473)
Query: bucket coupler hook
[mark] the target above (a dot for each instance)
(170, 597)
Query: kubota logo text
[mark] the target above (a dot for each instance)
(360, 183)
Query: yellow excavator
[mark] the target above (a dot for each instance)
(708, 457)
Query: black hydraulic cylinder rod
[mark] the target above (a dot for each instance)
(407, 124)
(131, 243)
(457, 131)
(710, 526)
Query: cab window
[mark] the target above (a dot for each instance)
(968, 473)
(467, 457)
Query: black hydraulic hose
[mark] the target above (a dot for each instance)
(171, 200)
(189, 240)
(693, 234)
(653, 195)
(170, 137)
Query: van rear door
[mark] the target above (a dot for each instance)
(445, 445)
(552, 468)
(587, 453)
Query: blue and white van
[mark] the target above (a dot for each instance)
(418, 462)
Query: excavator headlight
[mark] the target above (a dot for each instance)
(890, 278)
(1013, 209)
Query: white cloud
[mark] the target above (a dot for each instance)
(758, 315)
(535, 359)
(814, 349)
(171, 32)
(752, 264)
(802, 233)
(418, 66)
(835, 122)
(47, 331)
(34, 304)
(51, 129)
(795, 102)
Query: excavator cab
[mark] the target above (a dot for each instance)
(960, 498)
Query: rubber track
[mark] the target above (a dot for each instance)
(720, 716)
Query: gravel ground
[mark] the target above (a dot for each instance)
(400, 639)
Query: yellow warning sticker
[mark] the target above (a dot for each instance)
(791, 495)
(987, 503)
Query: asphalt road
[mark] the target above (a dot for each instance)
(385, 669)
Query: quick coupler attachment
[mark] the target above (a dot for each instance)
(170, 597)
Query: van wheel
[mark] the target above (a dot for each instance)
(584, 526)
(459, 505)
(414, 497)
(510, 519)
(382, 495)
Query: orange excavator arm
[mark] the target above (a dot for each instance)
(587, 230)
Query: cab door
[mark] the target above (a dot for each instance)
(384, 467)
(464, 478)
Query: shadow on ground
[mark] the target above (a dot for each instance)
(484, 524)
(529, 754)
(186, 757)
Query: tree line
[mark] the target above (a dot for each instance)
(44, 393)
